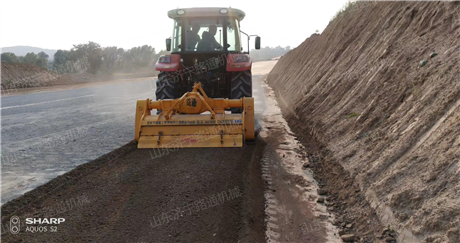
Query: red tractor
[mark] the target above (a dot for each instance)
(206, 47)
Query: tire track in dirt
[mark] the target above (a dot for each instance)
(295, 212)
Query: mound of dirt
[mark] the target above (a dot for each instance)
(22, 75)
(380, 88)
(17, 76)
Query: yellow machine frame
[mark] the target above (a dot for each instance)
(194, 120)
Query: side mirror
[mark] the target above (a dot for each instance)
(168, 44)
(258, 43)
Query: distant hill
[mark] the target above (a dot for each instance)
(23, 50)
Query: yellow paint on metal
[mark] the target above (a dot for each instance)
(189, 130)
(194, 120)
(142, 111)
(177, 142)
(248, 114)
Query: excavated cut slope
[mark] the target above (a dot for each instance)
(390, 113)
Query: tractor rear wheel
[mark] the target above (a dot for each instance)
(167, 87)
(241, 87)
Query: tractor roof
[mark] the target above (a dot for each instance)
(206, 12)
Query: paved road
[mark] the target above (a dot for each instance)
(47, 134)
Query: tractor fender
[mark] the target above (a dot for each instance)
(238, 62)
(168, 63)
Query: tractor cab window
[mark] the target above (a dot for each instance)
(177, 37)
(204, 35)
(233, 35)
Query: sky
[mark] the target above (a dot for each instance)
(58, 24)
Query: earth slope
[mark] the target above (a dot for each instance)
(389, 113)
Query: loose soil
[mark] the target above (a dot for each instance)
(128, 191)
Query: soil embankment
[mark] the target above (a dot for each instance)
(23, 78)
(379, 92)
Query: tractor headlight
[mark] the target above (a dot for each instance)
(241, 58)
(165, 59)
(224, 11)
(180, 11)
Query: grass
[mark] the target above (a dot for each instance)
(352, 114)
(351, 6)
(416, 90)
(348, 5)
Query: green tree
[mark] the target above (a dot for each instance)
(43, 55)
(30, 58)
(120, 54)
(138, 57)
(110, 57)
(91, 51)
(267, 53)
(42, 60)
(60, 57)
(147, 54)
(10, 58)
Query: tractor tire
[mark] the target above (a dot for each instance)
(241, 87)
(167, 87)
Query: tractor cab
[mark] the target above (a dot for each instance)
(206, 47)
(207, 30)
